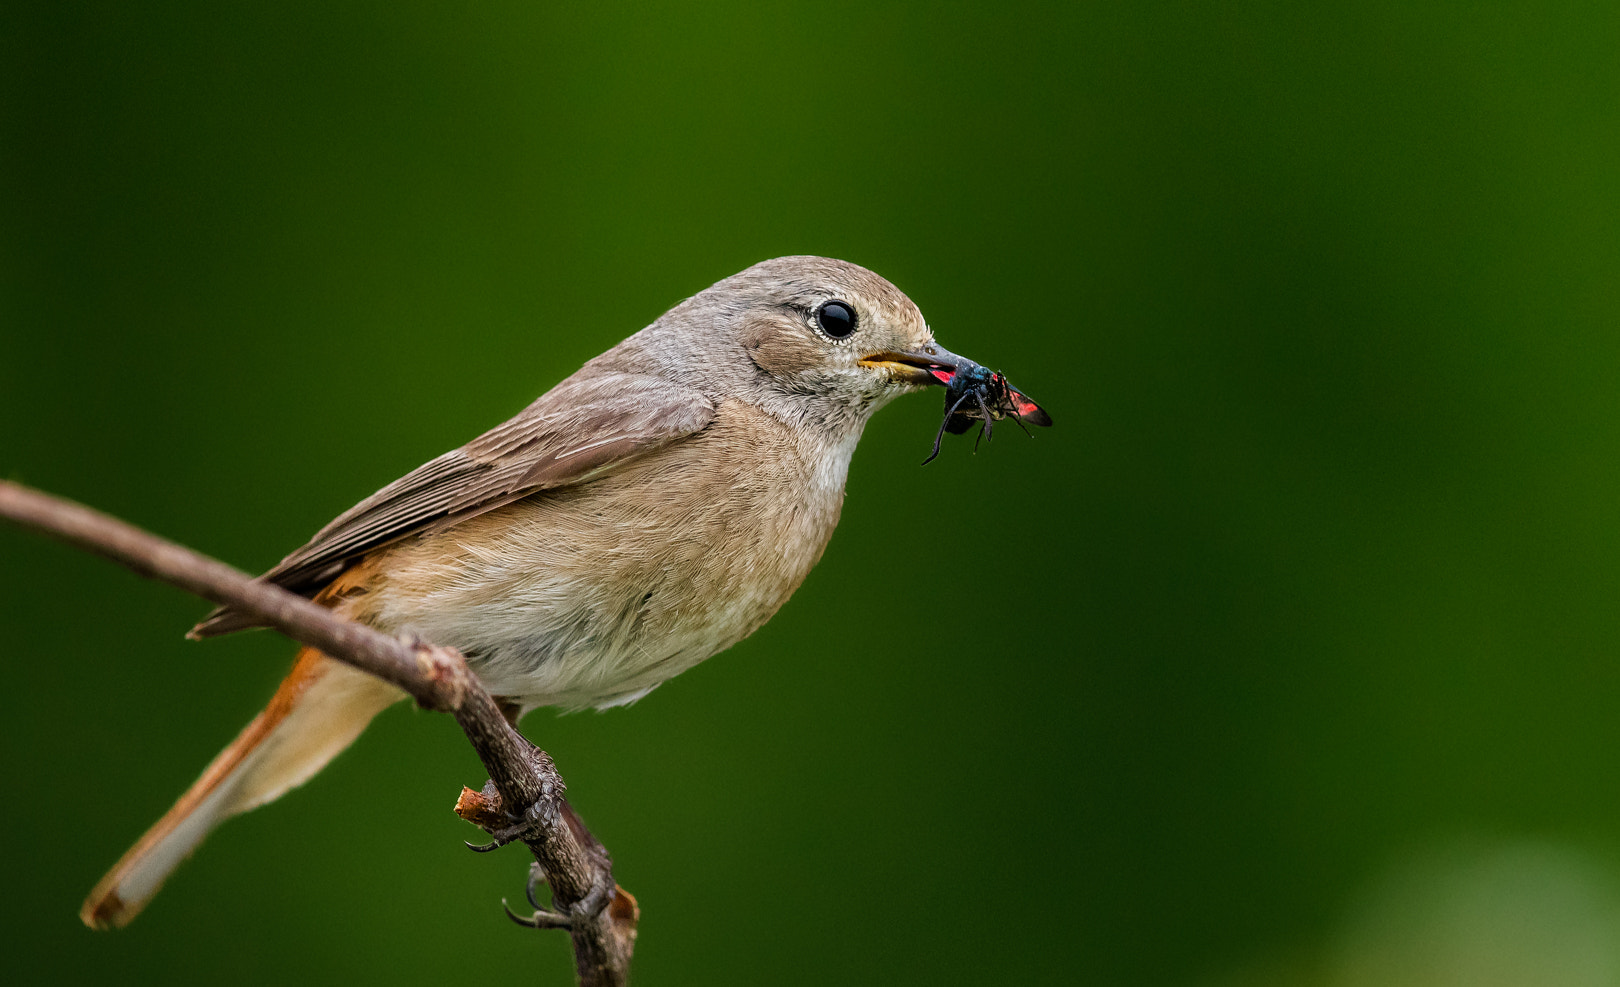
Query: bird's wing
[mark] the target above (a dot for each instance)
(579, 430)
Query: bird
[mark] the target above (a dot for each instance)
(649, 511)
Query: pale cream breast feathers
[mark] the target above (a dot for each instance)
(594, 594)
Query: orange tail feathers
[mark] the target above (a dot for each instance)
(319, 709)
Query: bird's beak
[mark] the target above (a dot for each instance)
(933, 364)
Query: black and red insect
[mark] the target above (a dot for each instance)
(979, 394)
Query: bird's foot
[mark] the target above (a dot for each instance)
(549, 818)
(535, 817)
(507, 824)
(603, 894)
(543, 917)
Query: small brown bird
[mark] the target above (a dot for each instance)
(651, 510)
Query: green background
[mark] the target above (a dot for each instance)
(1291, 647)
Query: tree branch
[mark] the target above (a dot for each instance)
(600, 917)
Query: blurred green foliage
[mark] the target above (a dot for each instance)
(1319, 564)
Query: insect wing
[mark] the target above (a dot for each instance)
(1017, 404)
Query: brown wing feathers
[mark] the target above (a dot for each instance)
(582, 427)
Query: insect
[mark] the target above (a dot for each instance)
(993, 398)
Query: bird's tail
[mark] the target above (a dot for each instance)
(319, 709)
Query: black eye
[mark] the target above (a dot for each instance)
(836, 319)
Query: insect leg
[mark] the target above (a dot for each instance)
(1007, 401)
(938, 436)
(986, 431)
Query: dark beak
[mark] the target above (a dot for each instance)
(933, 364)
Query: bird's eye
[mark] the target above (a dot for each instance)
(836, 319)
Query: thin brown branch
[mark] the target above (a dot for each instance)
(600, 917)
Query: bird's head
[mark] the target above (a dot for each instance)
(816, 339)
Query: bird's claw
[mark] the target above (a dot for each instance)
(532, 818)
(549, 811)
(541, 919)
(537, 877)
(501, 837)
(553, 918)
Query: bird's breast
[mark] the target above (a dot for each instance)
(592, 595)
